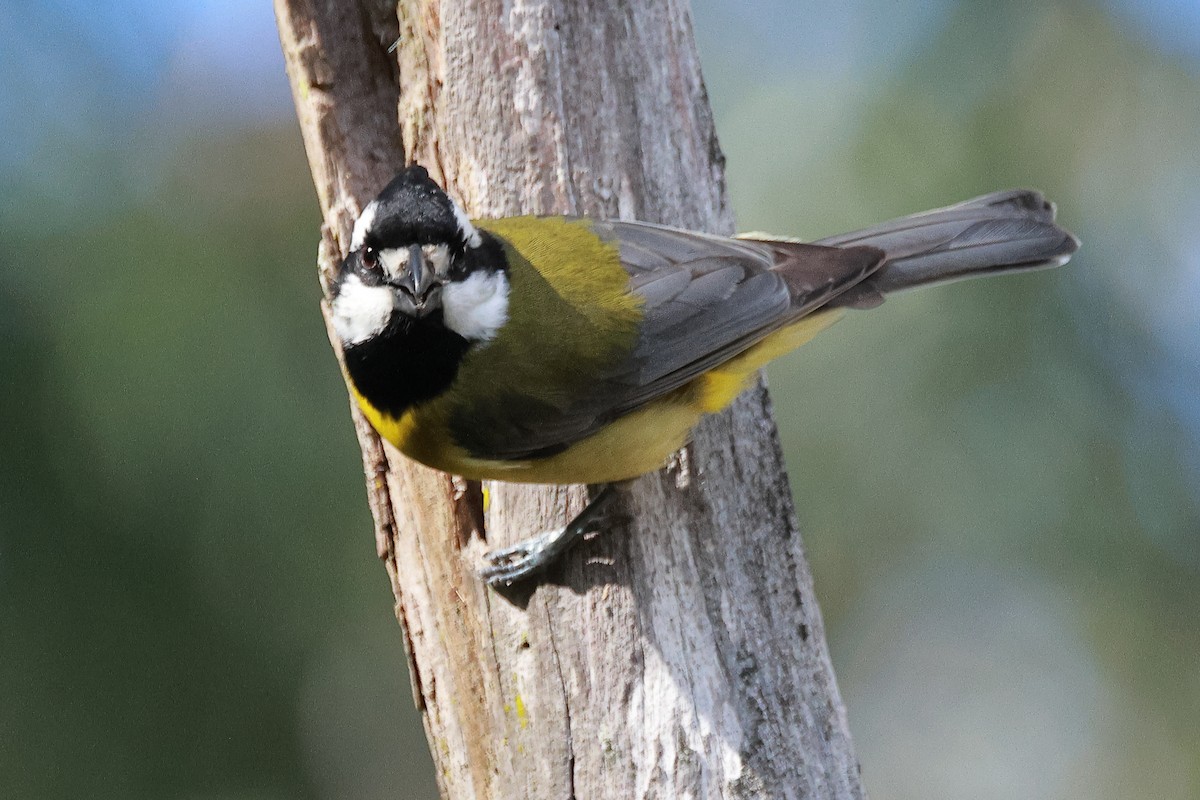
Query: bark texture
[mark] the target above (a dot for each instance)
(681, 654)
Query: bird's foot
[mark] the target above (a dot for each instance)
(508, 565)
(526, 558)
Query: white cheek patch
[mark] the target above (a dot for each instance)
(477, 307)
(469, 234)
(394, 261)
(363, 224)
(361, 312)
(438, 257)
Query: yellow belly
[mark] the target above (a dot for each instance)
(633, 445)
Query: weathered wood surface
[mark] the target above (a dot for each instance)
(682, 654)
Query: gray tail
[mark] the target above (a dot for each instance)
(1011, 231)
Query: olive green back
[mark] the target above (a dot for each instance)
(575, 322)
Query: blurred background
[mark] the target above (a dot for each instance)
(998, 482)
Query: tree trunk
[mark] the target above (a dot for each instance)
(682, 653)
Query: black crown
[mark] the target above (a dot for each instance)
(413, 209)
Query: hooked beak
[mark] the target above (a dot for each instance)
(419, 289)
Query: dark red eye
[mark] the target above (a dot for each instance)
(370, 258)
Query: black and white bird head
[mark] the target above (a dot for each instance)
(417, 261)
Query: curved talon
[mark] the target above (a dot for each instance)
(507, 565)
(497, 576)
(520, 550)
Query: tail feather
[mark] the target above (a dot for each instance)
(1010, 231)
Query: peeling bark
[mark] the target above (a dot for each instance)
(681, 654)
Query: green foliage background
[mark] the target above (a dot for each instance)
(997, 480)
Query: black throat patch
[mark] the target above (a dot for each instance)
(410, 362)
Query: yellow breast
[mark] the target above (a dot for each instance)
(634, 444)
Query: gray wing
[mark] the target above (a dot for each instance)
(708, 298)
(704, 300)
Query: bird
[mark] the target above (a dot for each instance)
(567, 349)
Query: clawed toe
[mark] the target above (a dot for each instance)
(508, 565)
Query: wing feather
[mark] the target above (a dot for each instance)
(704, 299)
